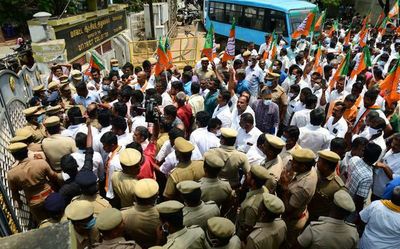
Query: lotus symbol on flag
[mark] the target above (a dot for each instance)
(230, 46)
(302, 26)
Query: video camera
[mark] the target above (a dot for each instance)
(151, 113)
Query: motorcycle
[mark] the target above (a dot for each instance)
(187, 15)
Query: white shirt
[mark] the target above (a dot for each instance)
(263, 47)
(196, 101)
(314, 138)
(171, 161)
(204, 139)
(245, 140)
(236, 118)
(290, 110)
(383, 227)
(138, 121)
(166, 99)
(114, 165)
(223, 114)
(97, 145)
(380, 178)
(98, 166)
(337, 129)
(363, 109)
(72, 130)
(301, 118)
(125, 139)
(335, 95)
(255, 155)
(165, 149)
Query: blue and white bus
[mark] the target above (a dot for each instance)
(255, 18)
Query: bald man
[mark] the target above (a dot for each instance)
(141, 81)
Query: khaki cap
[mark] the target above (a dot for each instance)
(272, 75)
(229, 132)
(14, 147)
(329, 156)
(152, 60)
(53, 85)
(303, 155)
(155, 247)
(63, 78)
(16, 139)
(169, 207)
(220, 227)
(51, 121)
(114, 62)
(343, 200)
(76, 74)
(24, 132)
(65, 87)
(182, 145)
(38, 88)
(213, 160)
(187, 187)
(79, 210)
(53, 109)
(210, 74)
(246, 53)
(204, 59)
(108, 219)
(146, 188)
(130, 157)
(275, 141)
(273, 203)
(260, 172)
(34, 110)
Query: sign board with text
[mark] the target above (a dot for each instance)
(86, 35)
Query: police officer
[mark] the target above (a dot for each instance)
(123, 182)
(273, 162)
(234, 160)
(54, 206)
(87, 181)
(31, 176)
(56, 146)
(34, 116)
(221, 234)
(142, 219)
(111, 226)
(333, 231)
(25, 135)
(328, 183)
(178, 236)
(196, 212)
(186, 169)
(249, 209)
(270, 232)
(212, 188)
(80, 213)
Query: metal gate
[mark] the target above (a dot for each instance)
(15, 91)
(184, 50)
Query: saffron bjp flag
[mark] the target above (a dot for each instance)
(268, 46)
(307, 25)
(167, 47)
(347, 38)
(390, 89)
(363, 61)
(363, 37)
(365, 21)
(317, 63)
(334, 28)
(230, 45)
(395, 10)
(162, 58)
(273, 51)
(208, 49)
(320, 21)
(94, 63)
(343, 69)
(380, 19)
(382, 28)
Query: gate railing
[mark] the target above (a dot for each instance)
(15, 91)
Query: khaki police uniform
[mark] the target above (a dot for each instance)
(124, 185)
(117, 243)
(35, 151)
(38, 131)
(200, 214)
(331, 233)
(234, 160)
(222, 229)
(187, 238)
(214, 189)
(267, 235)
(275, 168)
(286, 155)
(50, 222)
(31, 176)
(98, 202)
(162, 138)
(141, 224)
(57, 146)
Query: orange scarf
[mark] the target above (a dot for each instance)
(389, 204)
(357, 126)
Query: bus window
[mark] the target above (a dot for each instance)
(296, 17)
(249, 18)
(233, 10)
(276, 21)
(217, 11)
(259, 22)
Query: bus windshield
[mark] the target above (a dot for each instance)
(296, 17)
